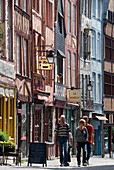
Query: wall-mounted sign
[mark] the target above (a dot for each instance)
(7, 69)
(74, 96)
(43, 63)
(2, 33)
(2, 91)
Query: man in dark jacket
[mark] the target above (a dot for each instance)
(81, 137)
(62, 137)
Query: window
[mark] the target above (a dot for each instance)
(89, 9)
(74, 20)
(59, 69)
(69, 59)
(86, 86)
(69, 16)
(49, 21)
(93, 44)
(18, 54)
(25, 5)
(60, 23)
(9, 30)
(25, 57)
(17, 2)
(99, 88)
(1, 10)
(74, 69)
(85, 10)
(94, 87)
(107, 84)
(108, 45)
(63, 3)
(98, 46)
(110, 16)
(99, 9)
(94, 7)
(82, 88)
(36, 5)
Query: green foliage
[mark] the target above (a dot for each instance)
(3, 137)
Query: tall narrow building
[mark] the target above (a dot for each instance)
(109, 76)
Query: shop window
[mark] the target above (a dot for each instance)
(49, 14)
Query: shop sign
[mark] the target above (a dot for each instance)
(2, 34)
(11, 93)
(44, 64)
(1, 91)
(74, 96)
(38, 82)
(7, 69)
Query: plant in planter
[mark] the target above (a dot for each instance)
(5, 138)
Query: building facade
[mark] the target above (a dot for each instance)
(71, 15)
(7, 71)
(97, 69)
(42, 80)
(22, 41)
(109, 77)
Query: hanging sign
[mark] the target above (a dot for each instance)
(2, 33)
(43, 63)
(74, 96)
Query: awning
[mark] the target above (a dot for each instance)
(101, 117)
(45, 98)
(59, 52)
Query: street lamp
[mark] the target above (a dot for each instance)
(89, 86)
(51, 57)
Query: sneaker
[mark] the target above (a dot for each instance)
(84, 164)
(87, 162)
(78, 165)
(66, 164)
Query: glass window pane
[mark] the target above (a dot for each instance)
(18, 54)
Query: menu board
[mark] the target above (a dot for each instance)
(37, 153)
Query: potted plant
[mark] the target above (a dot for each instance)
(5, 138)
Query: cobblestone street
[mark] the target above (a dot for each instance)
(96, 163)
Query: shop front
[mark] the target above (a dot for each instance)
(8, 110)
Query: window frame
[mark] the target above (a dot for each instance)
(74, 20)
(74, 69)
(69, 67)
(18, 59)
(69, 16)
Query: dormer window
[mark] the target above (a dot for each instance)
(60, 23)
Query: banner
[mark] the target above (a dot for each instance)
(2, 33)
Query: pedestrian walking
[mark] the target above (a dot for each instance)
(90, 141)
(70, 146)
(62, 131)
(81, 137)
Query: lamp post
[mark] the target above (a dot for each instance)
(89, 88)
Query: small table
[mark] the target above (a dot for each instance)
(3, 144)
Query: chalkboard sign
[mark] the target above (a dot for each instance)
(37, 153)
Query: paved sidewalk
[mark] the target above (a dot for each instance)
(96, 163)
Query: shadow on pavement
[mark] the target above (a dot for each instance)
(107, 167)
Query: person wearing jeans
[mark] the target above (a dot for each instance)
(90, 141)
(81, 137)
(62, 137)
